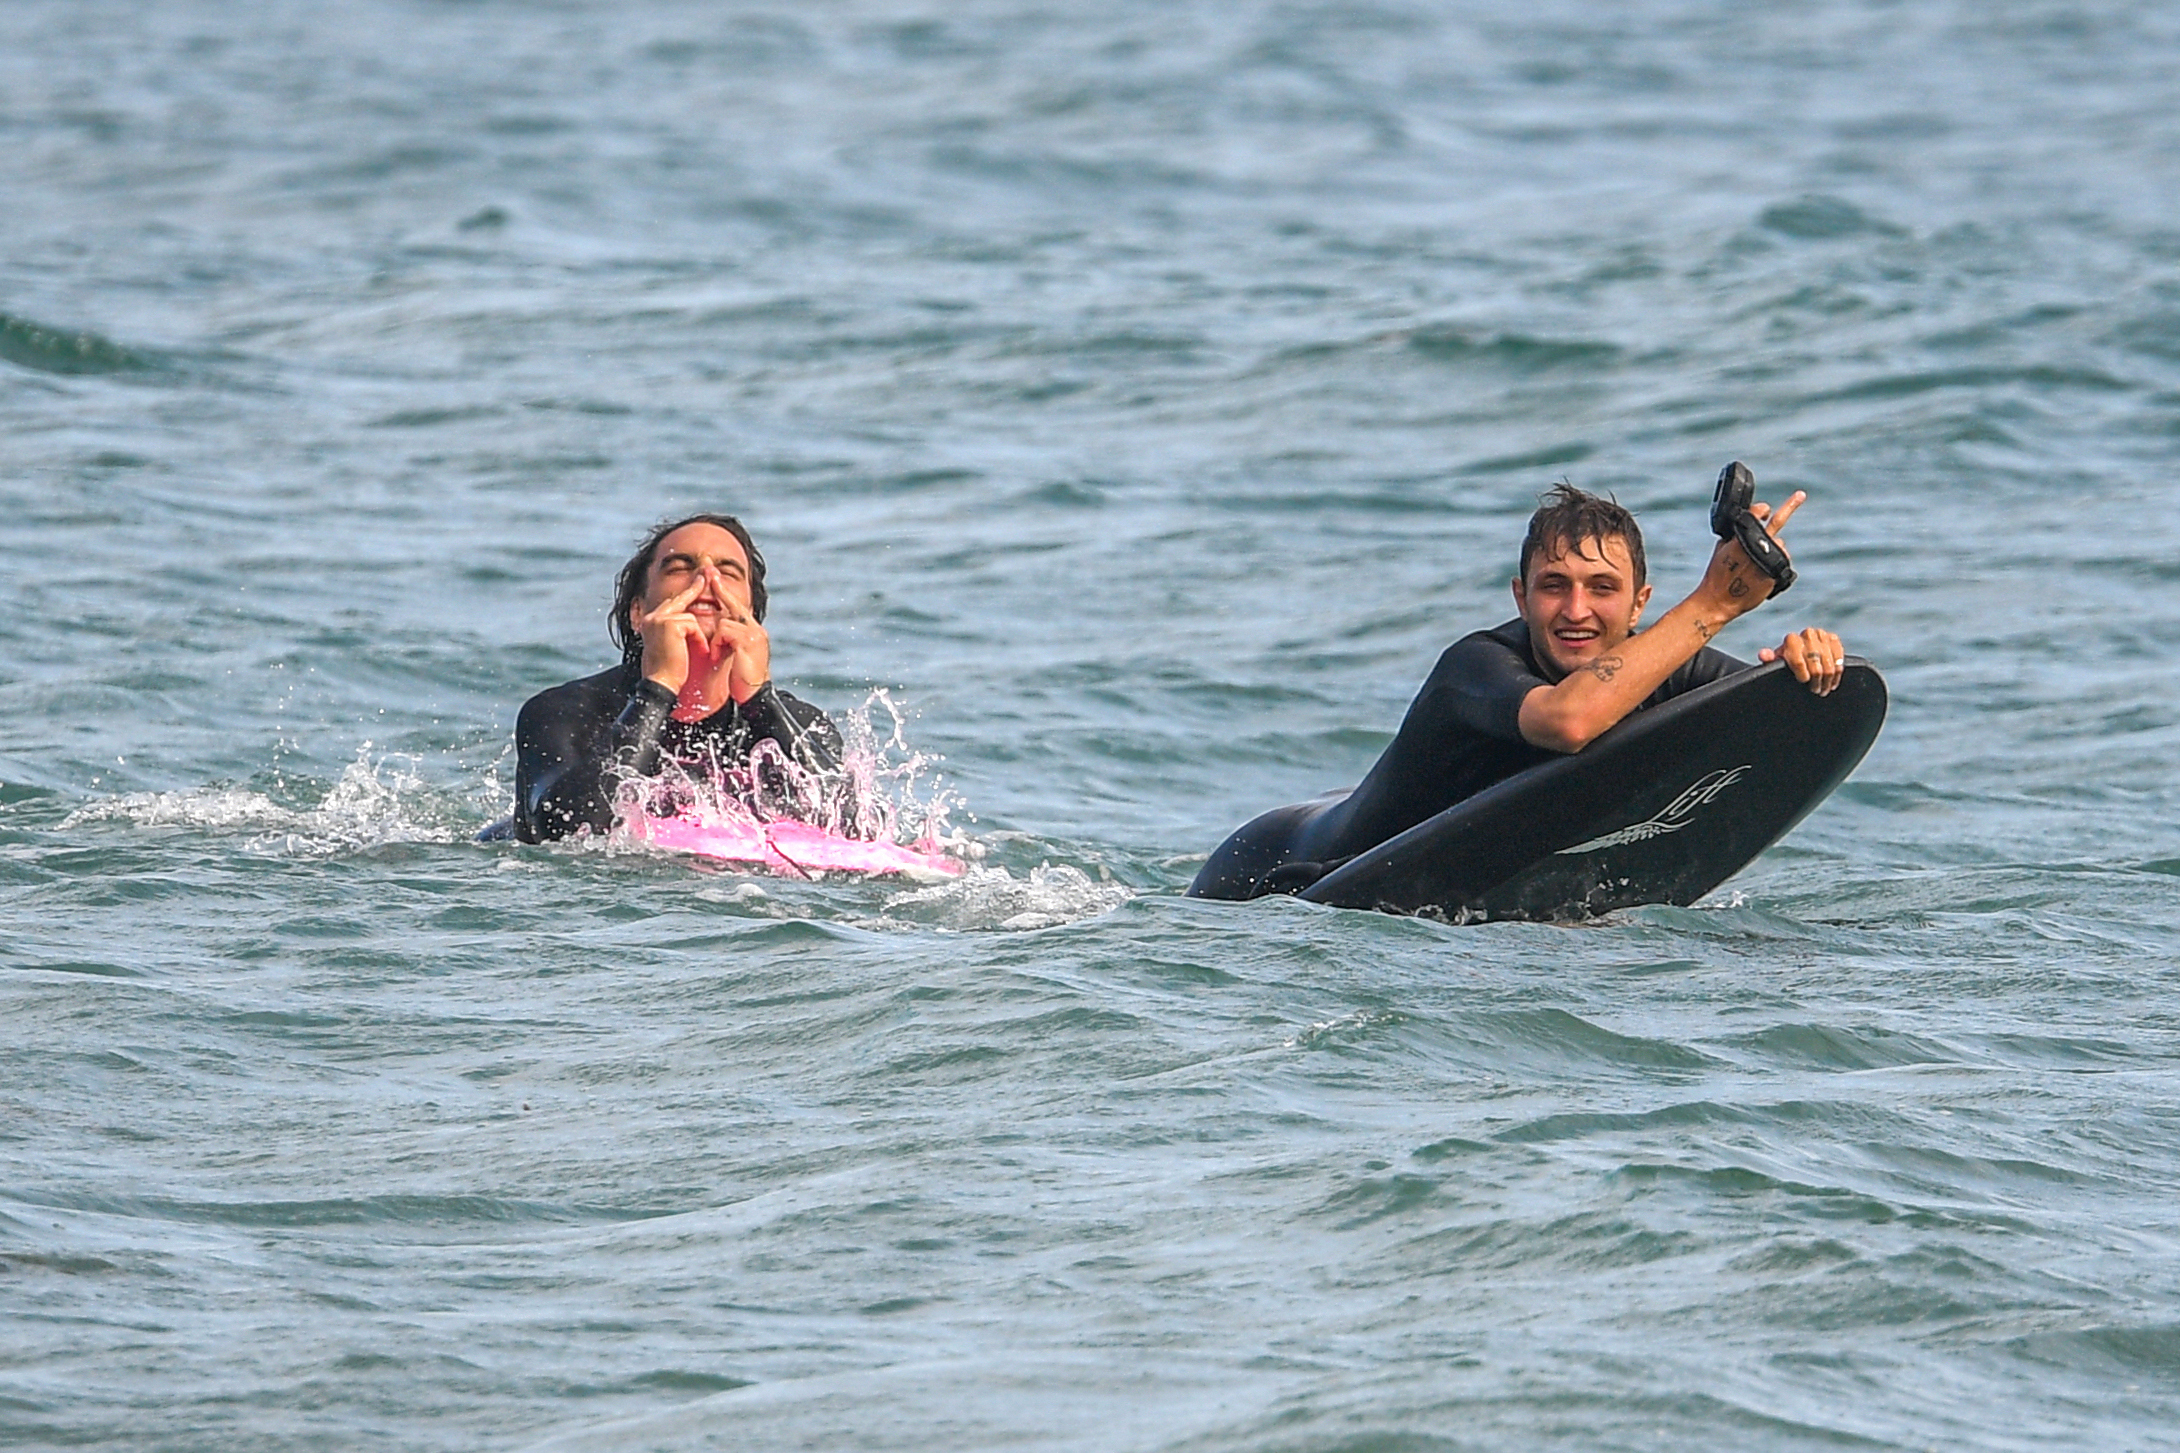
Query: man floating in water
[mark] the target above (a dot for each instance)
(691, 705)
(1570, 666)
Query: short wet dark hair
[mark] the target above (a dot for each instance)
(1574, 517)
(630, 583)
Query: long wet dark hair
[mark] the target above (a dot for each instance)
(629, 585)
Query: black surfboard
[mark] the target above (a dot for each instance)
(1661, 809)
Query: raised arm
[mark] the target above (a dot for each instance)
(1570, 714)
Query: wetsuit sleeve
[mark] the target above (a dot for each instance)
(813, 743)
(562, 759)
(806, 734)
(1701, 669)
(1462, 733)
(556, 775)
(1709, 665)
(634, 739)
(1480, 683)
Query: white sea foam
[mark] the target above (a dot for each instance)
(988, 898)
(1332, 1032)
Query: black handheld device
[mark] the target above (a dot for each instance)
(1731, 520)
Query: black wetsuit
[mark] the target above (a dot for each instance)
(1462, 734)
(575, 743)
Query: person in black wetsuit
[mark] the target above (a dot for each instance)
(1553, 679)
(693, 690)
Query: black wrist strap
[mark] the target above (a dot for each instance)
(1765, 553)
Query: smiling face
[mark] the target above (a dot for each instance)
(1580, 601)
(679, 562)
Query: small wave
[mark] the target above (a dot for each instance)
(52, 350)
(1821, 218)
(1512, 352)
(376, 801)
(987, 898)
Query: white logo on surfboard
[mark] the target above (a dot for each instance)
(1676, 815)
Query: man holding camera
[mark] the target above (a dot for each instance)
(1573, 664)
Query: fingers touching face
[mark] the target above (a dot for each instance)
(702, 570)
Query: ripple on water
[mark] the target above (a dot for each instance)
(1147, 394)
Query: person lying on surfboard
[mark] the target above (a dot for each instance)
(693, 692)
(1569, 666)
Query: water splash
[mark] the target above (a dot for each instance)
(884, 790)
(377, 800)
(895, 779)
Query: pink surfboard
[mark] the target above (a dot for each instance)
(785, 846)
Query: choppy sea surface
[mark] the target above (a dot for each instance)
(1135, 397)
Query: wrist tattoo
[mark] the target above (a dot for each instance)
(1738, 589)
(1604, 668)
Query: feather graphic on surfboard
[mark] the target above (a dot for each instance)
(1676, 815)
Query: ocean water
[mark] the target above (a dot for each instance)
(1135, 398)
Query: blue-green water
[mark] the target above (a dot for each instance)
(1141, 396)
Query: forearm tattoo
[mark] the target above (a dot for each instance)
(1604, 668)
